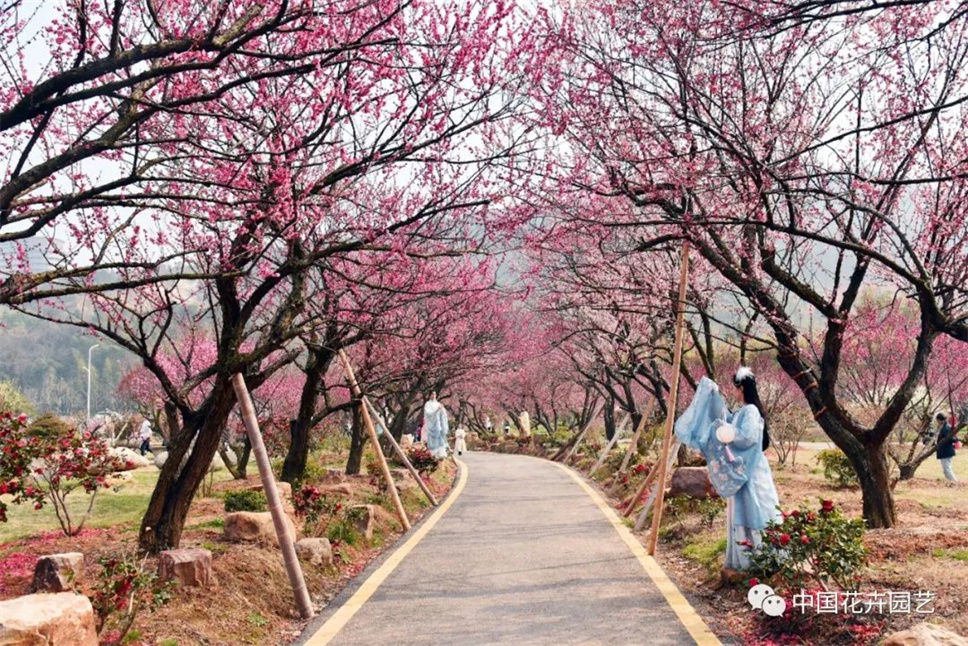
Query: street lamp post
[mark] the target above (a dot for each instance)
(89, 351)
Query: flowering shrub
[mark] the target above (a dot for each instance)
(311, 504)
(808, 546)
(68, 461)
(123, 589)
(837, 468)
(18, 451)
(422, 459)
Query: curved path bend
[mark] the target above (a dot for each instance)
(522, 552)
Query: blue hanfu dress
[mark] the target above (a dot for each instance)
(739, 471)
(436, 428)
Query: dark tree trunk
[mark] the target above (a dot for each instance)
(244, 458)
(198, 439)
(609, 416)
(294, 466)
(398, 427)
(355, 459)
(875, 483)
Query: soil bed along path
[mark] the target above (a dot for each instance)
(250, 602)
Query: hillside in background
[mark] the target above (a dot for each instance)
(48, 362)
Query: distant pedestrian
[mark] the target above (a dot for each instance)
(459, 444)
(144, 434)
(507, 428)
(946, 447)
(435, 427)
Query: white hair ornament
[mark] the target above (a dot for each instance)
(744, 373)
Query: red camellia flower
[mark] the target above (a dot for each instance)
(826, 505)
(804, 539)
(784, 539)
(754, 582)
(795, 513)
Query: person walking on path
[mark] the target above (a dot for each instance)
(460, 445)
(946, 447)
(144, 434)
(435, 427)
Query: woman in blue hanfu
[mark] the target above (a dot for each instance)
(733, 445)
(435, 427)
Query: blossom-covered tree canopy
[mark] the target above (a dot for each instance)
(489, 200)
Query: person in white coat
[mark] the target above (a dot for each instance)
(436, 427)
(460, 445)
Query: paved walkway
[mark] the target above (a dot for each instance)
(523, 556)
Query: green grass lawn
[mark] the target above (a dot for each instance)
(126, 506)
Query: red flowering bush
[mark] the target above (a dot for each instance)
(17, 451)
(47, 469)
(811, 547)
(422, 459)
(123, 589)
(310, 503)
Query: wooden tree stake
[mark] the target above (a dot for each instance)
(673, 395)
(640, 521)
(611, 444)
(401, 453)
(279, 520)
(633, 447)
(374, 438)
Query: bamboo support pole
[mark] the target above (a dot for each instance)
(633, 447)
(371, 431)
(581, 437)
(401, 453)
(611, 445)
(279, 519)
(673, 395)
(640, 521)
(649, 479)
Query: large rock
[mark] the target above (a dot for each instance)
(925, 635)
(692, 482)
(62, 619)
(250, 526)
(160, 458)
(130, 457)
(192, 567)
(342, 489)
(406, 441)
(317, 551)
(57, 572)
(364, 519)
(284, 489)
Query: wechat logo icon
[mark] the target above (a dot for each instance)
(763, 597)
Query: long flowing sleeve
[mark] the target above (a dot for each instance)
(696, 424)
(749, 427)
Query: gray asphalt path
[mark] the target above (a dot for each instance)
(524, 556)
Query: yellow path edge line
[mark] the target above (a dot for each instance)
(341, 617)
(687, 615)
